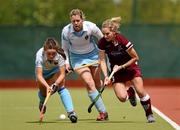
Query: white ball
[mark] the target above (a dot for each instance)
(62, 117)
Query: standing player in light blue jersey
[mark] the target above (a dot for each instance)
(79, 43)
(50, 74)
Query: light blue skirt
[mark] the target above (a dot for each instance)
(77, 60)
(47, 74)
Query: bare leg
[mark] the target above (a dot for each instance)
(144, 98)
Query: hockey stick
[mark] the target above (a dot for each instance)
(82, 66)
(100, 92)
(42, 109)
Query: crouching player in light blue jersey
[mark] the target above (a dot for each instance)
(50, 74)
(79, 43)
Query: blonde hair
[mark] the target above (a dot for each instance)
(77, 12)
(113, 24)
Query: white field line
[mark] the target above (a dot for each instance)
(162, 115)
(172, 123)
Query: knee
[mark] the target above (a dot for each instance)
(90, 84)
(141, 93)
(122, 98)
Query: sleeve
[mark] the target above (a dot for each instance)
(101, 44)
(65, 45)
(39, 60)
(125, 42)
(96, 32)
(61, 61)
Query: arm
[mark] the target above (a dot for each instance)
(41, 79)
(65, 47)
(134, 57)
(61, 77)
(103, 66)
(97, 32)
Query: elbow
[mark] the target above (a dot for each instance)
(63, 75)
(137, 59)
(38, 78)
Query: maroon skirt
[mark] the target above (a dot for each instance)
(127, 74)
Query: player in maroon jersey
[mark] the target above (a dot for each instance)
(123, 60)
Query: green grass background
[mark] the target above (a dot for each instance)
(19, 111)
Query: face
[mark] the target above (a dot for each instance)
(108, 35)
(50, 53)
(77, 22)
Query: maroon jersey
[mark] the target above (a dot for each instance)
(117, 54)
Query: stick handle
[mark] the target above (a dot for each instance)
(47, 97)
(44, 104)
(97, 97)
(87, 65)
(111, 75)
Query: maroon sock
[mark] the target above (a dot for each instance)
(147, 106)
(130, 93)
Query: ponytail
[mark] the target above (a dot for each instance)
(113, 24)
(61, 52)
(116, 21)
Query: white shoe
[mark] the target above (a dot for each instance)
(150, 118)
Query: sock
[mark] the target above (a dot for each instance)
(130, 92)
(66, 99)
(41, 97)
(146, 103)
(99, 104)
(100, 87)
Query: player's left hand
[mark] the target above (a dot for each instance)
(54, 88)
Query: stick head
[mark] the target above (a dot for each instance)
(89, 110)
(41, 117)
(91, 105)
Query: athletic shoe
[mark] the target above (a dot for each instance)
(40, 107)
(73, 117)
(132, 96)
(103, 116)
(150, 118)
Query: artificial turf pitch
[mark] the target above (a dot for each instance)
(19, 111)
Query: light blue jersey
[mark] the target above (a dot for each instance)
(80, 47)
(49, 67)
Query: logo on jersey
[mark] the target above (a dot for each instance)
(49, 64)
(86, 37)
(55, 62)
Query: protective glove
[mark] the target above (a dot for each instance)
(54, 88)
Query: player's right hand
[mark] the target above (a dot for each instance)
(48, 90)
(68, 68)
(107, 81)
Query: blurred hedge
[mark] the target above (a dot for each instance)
(56, 12)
